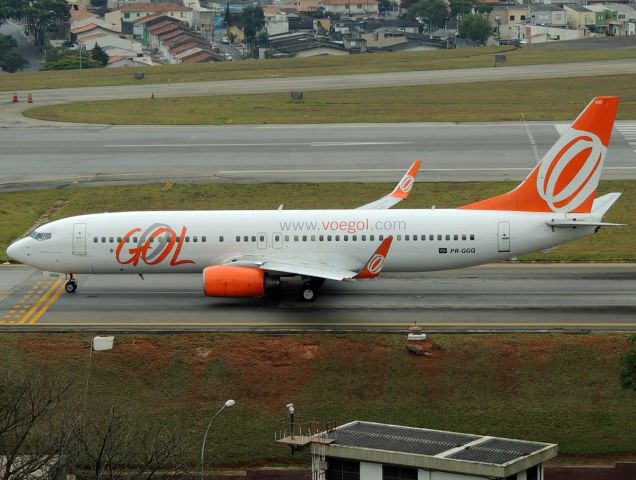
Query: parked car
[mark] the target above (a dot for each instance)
(228, 57)
(225, 40)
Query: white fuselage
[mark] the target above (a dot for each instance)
(423, 240)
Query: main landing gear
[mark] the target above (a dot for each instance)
(309, 289)
(71, 284)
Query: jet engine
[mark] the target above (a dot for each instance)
(236, 281)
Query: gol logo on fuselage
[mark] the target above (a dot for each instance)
(154, 246)
(578, 160)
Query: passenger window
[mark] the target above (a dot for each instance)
(304, 238)
(238, 238)
(447, 237)
(220, 239)
(455, 237)
(261, 238)
(95, 239)
(337, 238)
(253, 238)
(406, 237)
(187, 239)
(178, 239)
(472, 237)
(295, 238)
(371, 237)
(118, 239)
(321, 238)
(204, 238)
(287, 238)
(354, 238)
(431, 237)
(135, 239)
(246, 238)
(439, 237)
(398, 237)
(313, 238)
(463, 236)
(128, 240)
(194, 239)
(345, 238)
(329, 238)
(381, 237)
(103, 239)
(364, 238)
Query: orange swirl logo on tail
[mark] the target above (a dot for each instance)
(572, 176)
(153, 246)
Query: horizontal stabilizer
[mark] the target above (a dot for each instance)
(602, 204)
(581, 223)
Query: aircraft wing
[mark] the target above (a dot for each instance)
(399, 193)
(295, 266)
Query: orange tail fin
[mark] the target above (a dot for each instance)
(566, 178)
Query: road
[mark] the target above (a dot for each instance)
(327, 82)
(492, 297)
(56, 156)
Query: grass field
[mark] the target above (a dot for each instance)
(328, 65)
(19, 210)
(548, 387)
(552, 99)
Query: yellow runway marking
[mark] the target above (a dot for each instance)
(51, 301)
(43, 299)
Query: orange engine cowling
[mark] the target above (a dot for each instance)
(233, 281)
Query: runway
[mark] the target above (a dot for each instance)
(47, 157)
(503, 297)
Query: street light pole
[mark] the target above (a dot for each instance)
(227, 404)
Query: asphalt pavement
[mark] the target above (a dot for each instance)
(41, 157)
(509, 297)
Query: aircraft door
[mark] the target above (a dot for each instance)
(79, 239)
(503, 233)
(277, 240)
(261, 241)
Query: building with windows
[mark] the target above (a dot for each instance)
(375, 451)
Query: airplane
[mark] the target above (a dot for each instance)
(247, 253)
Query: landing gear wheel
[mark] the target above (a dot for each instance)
(70, 286)
(308, 292)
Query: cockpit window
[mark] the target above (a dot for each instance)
(41, 236)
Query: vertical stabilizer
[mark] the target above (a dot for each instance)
(566, 178)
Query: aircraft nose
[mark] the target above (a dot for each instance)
(18, 250)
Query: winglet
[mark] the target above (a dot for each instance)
(399, 193)
(373, 267)
(403, 188)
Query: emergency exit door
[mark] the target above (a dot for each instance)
(503, 232)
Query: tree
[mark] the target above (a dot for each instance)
(628, 368)
(99, 55)
(385, 6)
(227, 17)
(461, 7)
(72, 62)
(35, 436)
(10, 61)
(252, 20)
(430, 12)
(475, 28)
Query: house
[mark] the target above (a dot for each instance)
(579, 17)
(301, 45)
(548, 15)
(115, 61)
(132, 12)
(508, 21)
(90, 30)
(308, 5)
(625, 23)
(275, 21)
(351, 8)
(602, 17)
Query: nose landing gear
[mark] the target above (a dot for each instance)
(71, 284)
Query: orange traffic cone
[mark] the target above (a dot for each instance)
(29, 98)
(15, 98)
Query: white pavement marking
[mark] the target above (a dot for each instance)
(628, 130)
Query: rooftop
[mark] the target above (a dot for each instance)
(425, 448)
(348, 2)
(154, 7)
